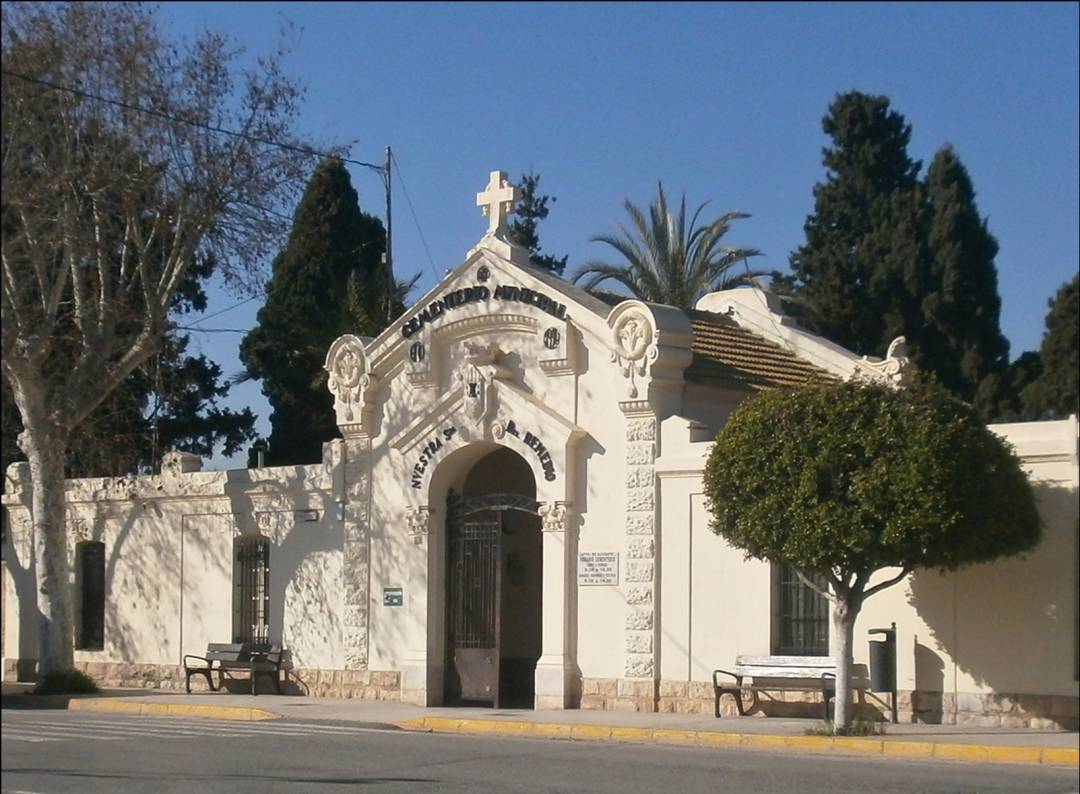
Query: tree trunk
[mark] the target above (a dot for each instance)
(56, 633)
(843, 618)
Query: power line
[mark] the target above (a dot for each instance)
(190, 123)
(384, 170)
(416, 220)
(227, 309)
(211, 330)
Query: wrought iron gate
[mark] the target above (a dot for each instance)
(474, 593)
(252, 590)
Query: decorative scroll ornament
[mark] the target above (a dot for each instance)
(895, 364)
(78, 529)
(418, 519)
(633, 335)
(349, 378)
(553, 516)
(476, 375)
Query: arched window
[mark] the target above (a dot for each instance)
(800, 614)
(90, 585)
(251, 589)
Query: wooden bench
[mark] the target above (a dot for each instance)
(223, 658)
(805, 673)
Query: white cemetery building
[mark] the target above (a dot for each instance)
(514, 515)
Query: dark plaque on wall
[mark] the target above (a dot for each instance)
(552, 337)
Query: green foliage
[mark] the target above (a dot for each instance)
(666, 261)
(847, 478)
(1054, 393)
(66, 682)
(168, 403)
(328, 280)
(860, 726)
(863, 252)
(530, 210)
(118, 174)
(887, 255)
(963, 344)
(1000, 394)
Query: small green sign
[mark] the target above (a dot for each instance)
(392, 597)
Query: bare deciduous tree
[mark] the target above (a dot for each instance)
(121, 162)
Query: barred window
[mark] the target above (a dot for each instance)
(90, 585)
(800, 614)
(251, 590)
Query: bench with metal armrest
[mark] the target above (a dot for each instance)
(224, 659)
(805, 673)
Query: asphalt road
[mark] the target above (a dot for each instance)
(55, 752)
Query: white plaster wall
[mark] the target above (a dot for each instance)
(602, 496)
(714, 603)
(595, 489)
(169, 562)
(1007, 627)
(591, 479)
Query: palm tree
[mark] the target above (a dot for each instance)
(666, 262)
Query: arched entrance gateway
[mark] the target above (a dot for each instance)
(494, 575)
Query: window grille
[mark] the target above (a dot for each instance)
(91, 573)
(251, 599)
(801, 615)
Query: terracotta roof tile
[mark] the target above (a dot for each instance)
(724, 352)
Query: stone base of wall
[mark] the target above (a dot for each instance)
(1061, 712)
(1058, 712)
(359, 684)
(618, 694)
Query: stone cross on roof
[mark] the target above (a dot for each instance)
(498, 201)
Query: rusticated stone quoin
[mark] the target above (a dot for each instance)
(640, 500)
(639, 620)
(357, 550)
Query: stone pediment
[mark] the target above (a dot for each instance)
(488, 290)
(512, 418)
(509, 401)
(548, 326)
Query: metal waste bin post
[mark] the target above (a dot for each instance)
(883, 665)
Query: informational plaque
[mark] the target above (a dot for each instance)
(598, 568)
(392, 597)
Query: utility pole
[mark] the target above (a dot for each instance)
(388, 254)
(389, 244)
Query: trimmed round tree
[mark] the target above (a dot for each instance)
(846, 480)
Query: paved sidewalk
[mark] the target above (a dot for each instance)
(944, 742)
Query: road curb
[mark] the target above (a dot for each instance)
(840, 745)
(69, 703)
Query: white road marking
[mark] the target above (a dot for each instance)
(32, 729)
(108, 728)
(16, 738)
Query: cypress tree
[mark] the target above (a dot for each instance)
(864, 261)
(963, 344)
(530, 210)
(1000, 396)
(1054, 394)
(329, 279)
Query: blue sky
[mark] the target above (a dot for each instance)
(722, 101)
